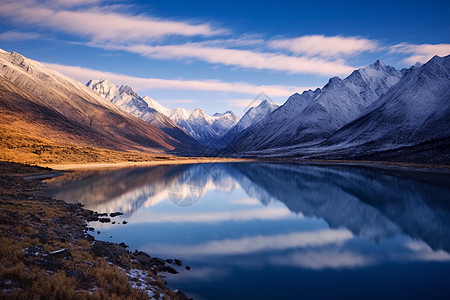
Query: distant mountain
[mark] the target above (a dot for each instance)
(314, 116)
(207, 130)
(251, 117)
(128, 100)
(409, 121)
(41, 107)
(414, 112)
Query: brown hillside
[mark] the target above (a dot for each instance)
(39, 106)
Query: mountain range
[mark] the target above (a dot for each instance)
(314, 116)
(376, 113)
(206, 129)
(42, 110)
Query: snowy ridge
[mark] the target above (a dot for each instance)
(207, 130)
(128, 100)
(252, 116)
(314, 116)
(156, 106)
(74, 113)
(408, 122)
(416, 110)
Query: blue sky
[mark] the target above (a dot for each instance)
(220, 55)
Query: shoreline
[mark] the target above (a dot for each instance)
(181, 161)
(384, 165)
(47, 250)
(396, 166)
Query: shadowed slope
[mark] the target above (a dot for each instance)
(38, 102)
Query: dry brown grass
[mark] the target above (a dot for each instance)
(22, 215)
(16, 146)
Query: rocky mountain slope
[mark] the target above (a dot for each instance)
(375, 113)
(128, 100)
(39, 106)
(252, 116)
(415, 111)
(314, 116)
(207, 130)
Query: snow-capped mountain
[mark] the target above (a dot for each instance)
(128, 100)
(415, 111)
(44, 107)
(207, 130)
(252, 116)
(314, 116)
(156, 106)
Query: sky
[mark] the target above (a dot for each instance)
(222, 55)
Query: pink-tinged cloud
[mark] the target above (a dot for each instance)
(241, 58)
(420, 53)
(85, 74)
(100, 24)
(18, 36)
(72, 3)
(259, 243)
(325, 46)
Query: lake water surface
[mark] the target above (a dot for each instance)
(280, 231)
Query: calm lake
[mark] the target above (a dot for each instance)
(279, 231)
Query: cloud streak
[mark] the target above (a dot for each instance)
(18, 36)
(253, 244)
(318, 260)
(420, 53)
(276, 213)
(99, 24)
(148, 36)
(84, 74)
(325, 46)
(240, 58)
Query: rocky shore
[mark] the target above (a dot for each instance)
(47, 251)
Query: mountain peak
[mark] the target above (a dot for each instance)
(378, 64)
(126, 89)
(264, 103)
(334, 81)
(104, 88)
(198, 113)
(438, 59)
(104, 82)
(228, 112)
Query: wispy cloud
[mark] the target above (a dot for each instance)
(325, 46)
(420, 53)
(72, 3)
(85, 74)
(325, 259)
(253, 244)
(99, 24)
(96, 23)
(18, 36)
(274, 213)
(241, 58)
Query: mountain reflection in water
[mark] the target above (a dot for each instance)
(370, 203)
(262, 216)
